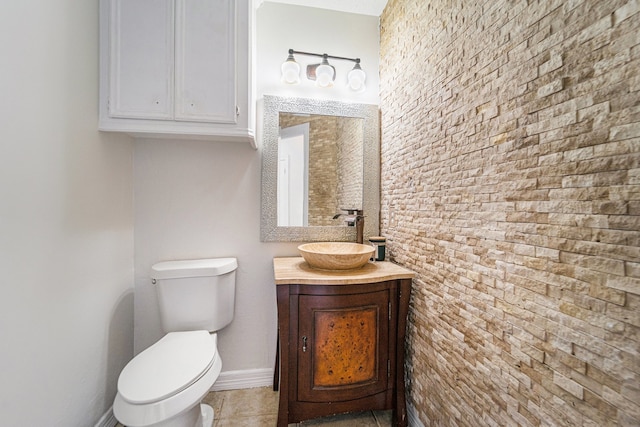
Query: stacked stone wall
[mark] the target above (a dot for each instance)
(350, 166)
(511, 185)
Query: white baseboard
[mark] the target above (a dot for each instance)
(230, 380)
(107, 420)
(248, 378)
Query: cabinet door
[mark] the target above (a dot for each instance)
(343, 346)
(206, 61)
(141, 59)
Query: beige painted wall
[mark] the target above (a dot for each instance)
(202, 199)
(511, 185)
(66, 222)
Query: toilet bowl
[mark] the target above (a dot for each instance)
(163, 385)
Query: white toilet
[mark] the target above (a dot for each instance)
(163, 385)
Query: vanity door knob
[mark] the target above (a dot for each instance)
(304, 344)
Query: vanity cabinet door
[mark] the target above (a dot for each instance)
(343, 347)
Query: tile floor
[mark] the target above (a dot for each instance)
(258, 407)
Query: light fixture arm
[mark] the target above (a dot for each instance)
(323, 73)
(323, 55)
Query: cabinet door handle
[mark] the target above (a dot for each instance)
(304, 344)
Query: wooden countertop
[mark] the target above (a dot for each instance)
(295, 270)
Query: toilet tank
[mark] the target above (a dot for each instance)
(195, 294)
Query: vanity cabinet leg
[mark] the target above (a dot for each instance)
(276, 368)
(400, 413)
(281, 376)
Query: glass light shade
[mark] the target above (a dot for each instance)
(290, 71)
(325, 74)
(356, 78)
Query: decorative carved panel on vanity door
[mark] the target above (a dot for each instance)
(346, 352)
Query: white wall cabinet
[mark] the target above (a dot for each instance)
(177, 68)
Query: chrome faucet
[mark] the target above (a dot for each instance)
(354, 217)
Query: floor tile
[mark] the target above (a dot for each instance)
(258, 407)
(383, 418)
(253, 421)
(245, 402)
(360, 419)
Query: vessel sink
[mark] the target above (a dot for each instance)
(336, 255)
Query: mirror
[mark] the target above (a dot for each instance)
(314, 151)
(318, 157)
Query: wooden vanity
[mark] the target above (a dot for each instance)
(341, 340)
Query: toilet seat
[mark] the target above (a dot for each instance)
(168, 378)
(167, 367)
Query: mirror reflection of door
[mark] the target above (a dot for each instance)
(292, 178)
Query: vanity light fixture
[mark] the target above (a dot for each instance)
(290, 70)
(356, 78)
(324, 74)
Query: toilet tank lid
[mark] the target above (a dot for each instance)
(193, 268)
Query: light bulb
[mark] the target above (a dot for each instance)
(290, 71)
(325, 74)
(356, 78)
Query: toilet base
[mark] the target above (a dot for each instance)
(199, 416)
(207, 415)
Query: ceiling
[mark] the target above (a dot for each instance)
(363, 7)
